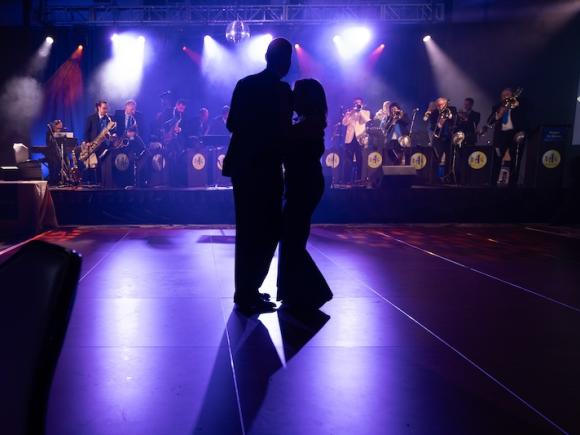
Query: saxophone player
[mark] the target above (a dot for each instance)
(441, 119)
(96, 123)
(355, 121)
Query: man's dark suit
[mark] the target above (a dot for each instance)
(504, 140)
(119, 118)
(469, 127)
(93, 126)
(260, 119)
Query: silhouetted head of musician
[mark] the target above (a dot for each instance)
(130, 107)
(310, 101)
(506, 93)
(468, 104)
(102, 108)
(57, 125)
(278, 57)
(180, 106)
(394, 108)
(441, 103)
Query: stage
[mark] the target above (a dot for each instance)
(427, 204)
(434, 329)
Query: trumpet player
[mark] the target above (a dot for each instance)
(395, 126)
(383, 112)
(355, 121)
(441, 119)
(507, 118)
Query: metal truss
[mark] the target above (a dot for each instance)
(182, 14)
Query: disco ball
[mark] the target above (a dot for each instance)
(237, 31)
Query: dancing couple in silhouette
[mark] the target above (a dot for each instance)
(275, 206)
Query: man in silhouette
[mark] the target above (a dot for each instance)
(260, 119)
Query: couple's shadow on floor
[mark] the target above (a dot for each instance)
(249, 345)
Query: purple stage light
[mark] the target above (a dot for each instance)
(351, 41)
(426, 38)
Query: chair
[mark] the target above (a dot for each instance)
(37, 290)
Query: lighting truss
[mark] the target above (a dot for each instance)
(183, 14)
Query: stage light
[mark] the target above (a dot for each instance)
(80, 47)
(121, 75)
(382, 46)
(255, 49)
(184, 48)
(296, 46)
(49, 40)
(578, 99)
(351, 41)
(426, 38)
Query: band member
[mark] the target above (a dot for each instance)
(129, 117)
(175, 134)
(96, 123)
(468, 121)
(201, 123)
(54, 157)
(395, 126)
(165, 113)
(441, 118)
(355, 122)
(383, 112)
(218, 124)
(508, 118)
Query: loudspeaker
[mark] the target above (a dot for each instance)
(475, 163)
(398, 177)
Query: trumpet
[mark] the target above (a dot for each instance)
(444, 115)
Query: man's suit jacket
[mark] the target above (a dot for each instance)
(92, 127)
(119, 118)
(448, 126)
(355, 123)
(518, 117)
(260, 119)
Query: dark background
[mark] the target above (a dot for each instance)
(530, 44)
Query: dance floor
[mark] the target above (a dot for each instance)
(434, 329)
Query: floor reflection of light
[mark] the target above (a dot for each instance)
(272, 324)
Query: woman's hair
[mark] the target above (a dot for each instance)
(310, 101)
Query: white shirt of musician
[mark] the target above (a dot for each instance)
(509, 125)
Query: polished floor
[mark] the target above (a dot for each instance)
(441, 329)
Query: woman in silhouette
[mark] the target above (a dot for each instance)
(300, 283)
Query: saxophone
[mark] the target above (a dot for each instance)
(89, 148)
(74, 172)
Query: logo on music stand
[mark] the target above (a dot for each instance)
(332, 160)
(220, 161)
(122, 162)
(551, 159)
(375, 160)
(477, 160)
(418, 161)
(198, 161)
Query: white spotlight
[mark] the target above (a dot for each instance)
(49, 40)
(426, 38)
